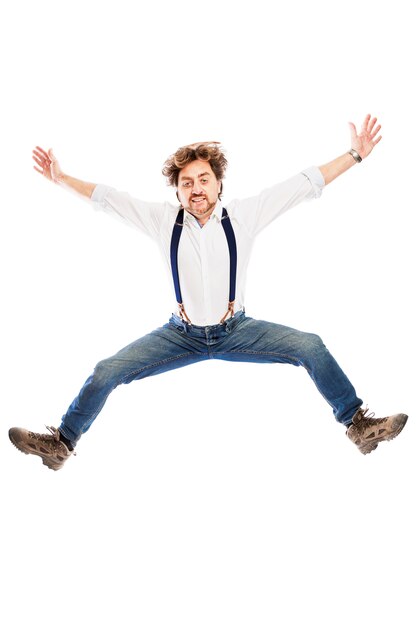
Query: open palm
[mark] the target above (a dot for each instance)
(48, 165)
(366, 140)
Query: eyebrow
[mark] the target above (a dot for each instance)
(199, 176)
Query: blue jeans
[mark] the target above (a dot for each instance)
(240, 338)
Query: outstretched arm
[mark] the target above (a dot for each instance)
(362, 143)
(49, 167)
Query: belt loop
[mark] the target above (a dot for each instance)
(228, 324)
(185, 326)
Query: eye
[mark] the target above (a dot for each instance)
(204, 180)
(186, 183)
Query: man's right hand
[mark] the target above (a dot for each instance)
(48, 165)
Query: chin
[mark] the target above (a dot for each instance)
(206, 206)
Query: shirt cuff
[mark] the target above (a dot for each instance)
(99, 193)
(316, 179)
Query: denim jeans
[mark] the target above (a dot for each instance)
(240, 338)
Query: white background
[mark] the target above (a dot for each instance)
(222, 493)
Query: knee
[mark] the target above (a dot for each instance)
(105, 373)
(313, 344)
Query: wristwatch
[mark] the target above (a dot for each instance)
(355, 155)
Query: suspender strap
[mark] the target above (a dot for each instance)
(231, 242)
(175, 240)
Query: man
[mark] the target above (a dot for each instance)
(207, 248)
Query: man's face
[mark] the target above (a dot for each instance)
(198, 189)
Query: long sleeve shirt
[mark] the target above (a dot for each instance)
(203, 255)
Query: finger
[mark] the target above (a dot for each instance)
(45, 159)
(371, 124)
(51, 155)
(376, 131)
(353, 133)
(39, 161)
(37, 169)
(42, 151)
(365, 123)
(41, 155)
(377, 140)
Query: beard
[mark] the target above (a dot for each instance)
(198, 213)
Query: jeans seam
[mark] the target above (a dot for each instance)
(278, 354)
(99, 409)
(143, 369)
(290, 358)
(309, 371)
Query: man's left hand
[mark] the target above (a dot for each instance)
(366, 140)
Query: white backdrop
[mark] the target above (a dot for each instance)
(237, 500)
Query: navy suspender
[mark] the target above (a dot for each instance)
(231, 242)
(175, 240)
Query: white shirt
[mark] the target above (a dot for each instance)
(203, 254)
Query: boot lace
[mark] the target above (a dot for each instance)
(52, 438)
(368, 418)
(43, 437)
(366, 414)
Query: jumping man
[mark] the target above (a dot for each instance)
(207, 246)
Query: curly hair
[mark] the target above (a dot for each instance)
(209, 151)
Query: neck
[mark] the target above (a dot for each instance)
(205, 219)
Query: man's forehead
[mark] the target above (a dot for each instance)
(196, 168)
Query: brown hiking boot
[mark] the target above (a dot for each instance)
(52, 451)
(366, 431)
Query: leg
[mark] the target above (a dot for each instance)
(160, 351)
(164, 349)
(265, 342)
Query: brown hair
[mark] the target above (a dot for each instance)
(209, 151)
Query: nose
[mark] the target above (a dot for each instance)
(197, 188)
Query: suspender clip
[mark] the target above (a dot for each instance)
(183, 314)
(230, 311)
